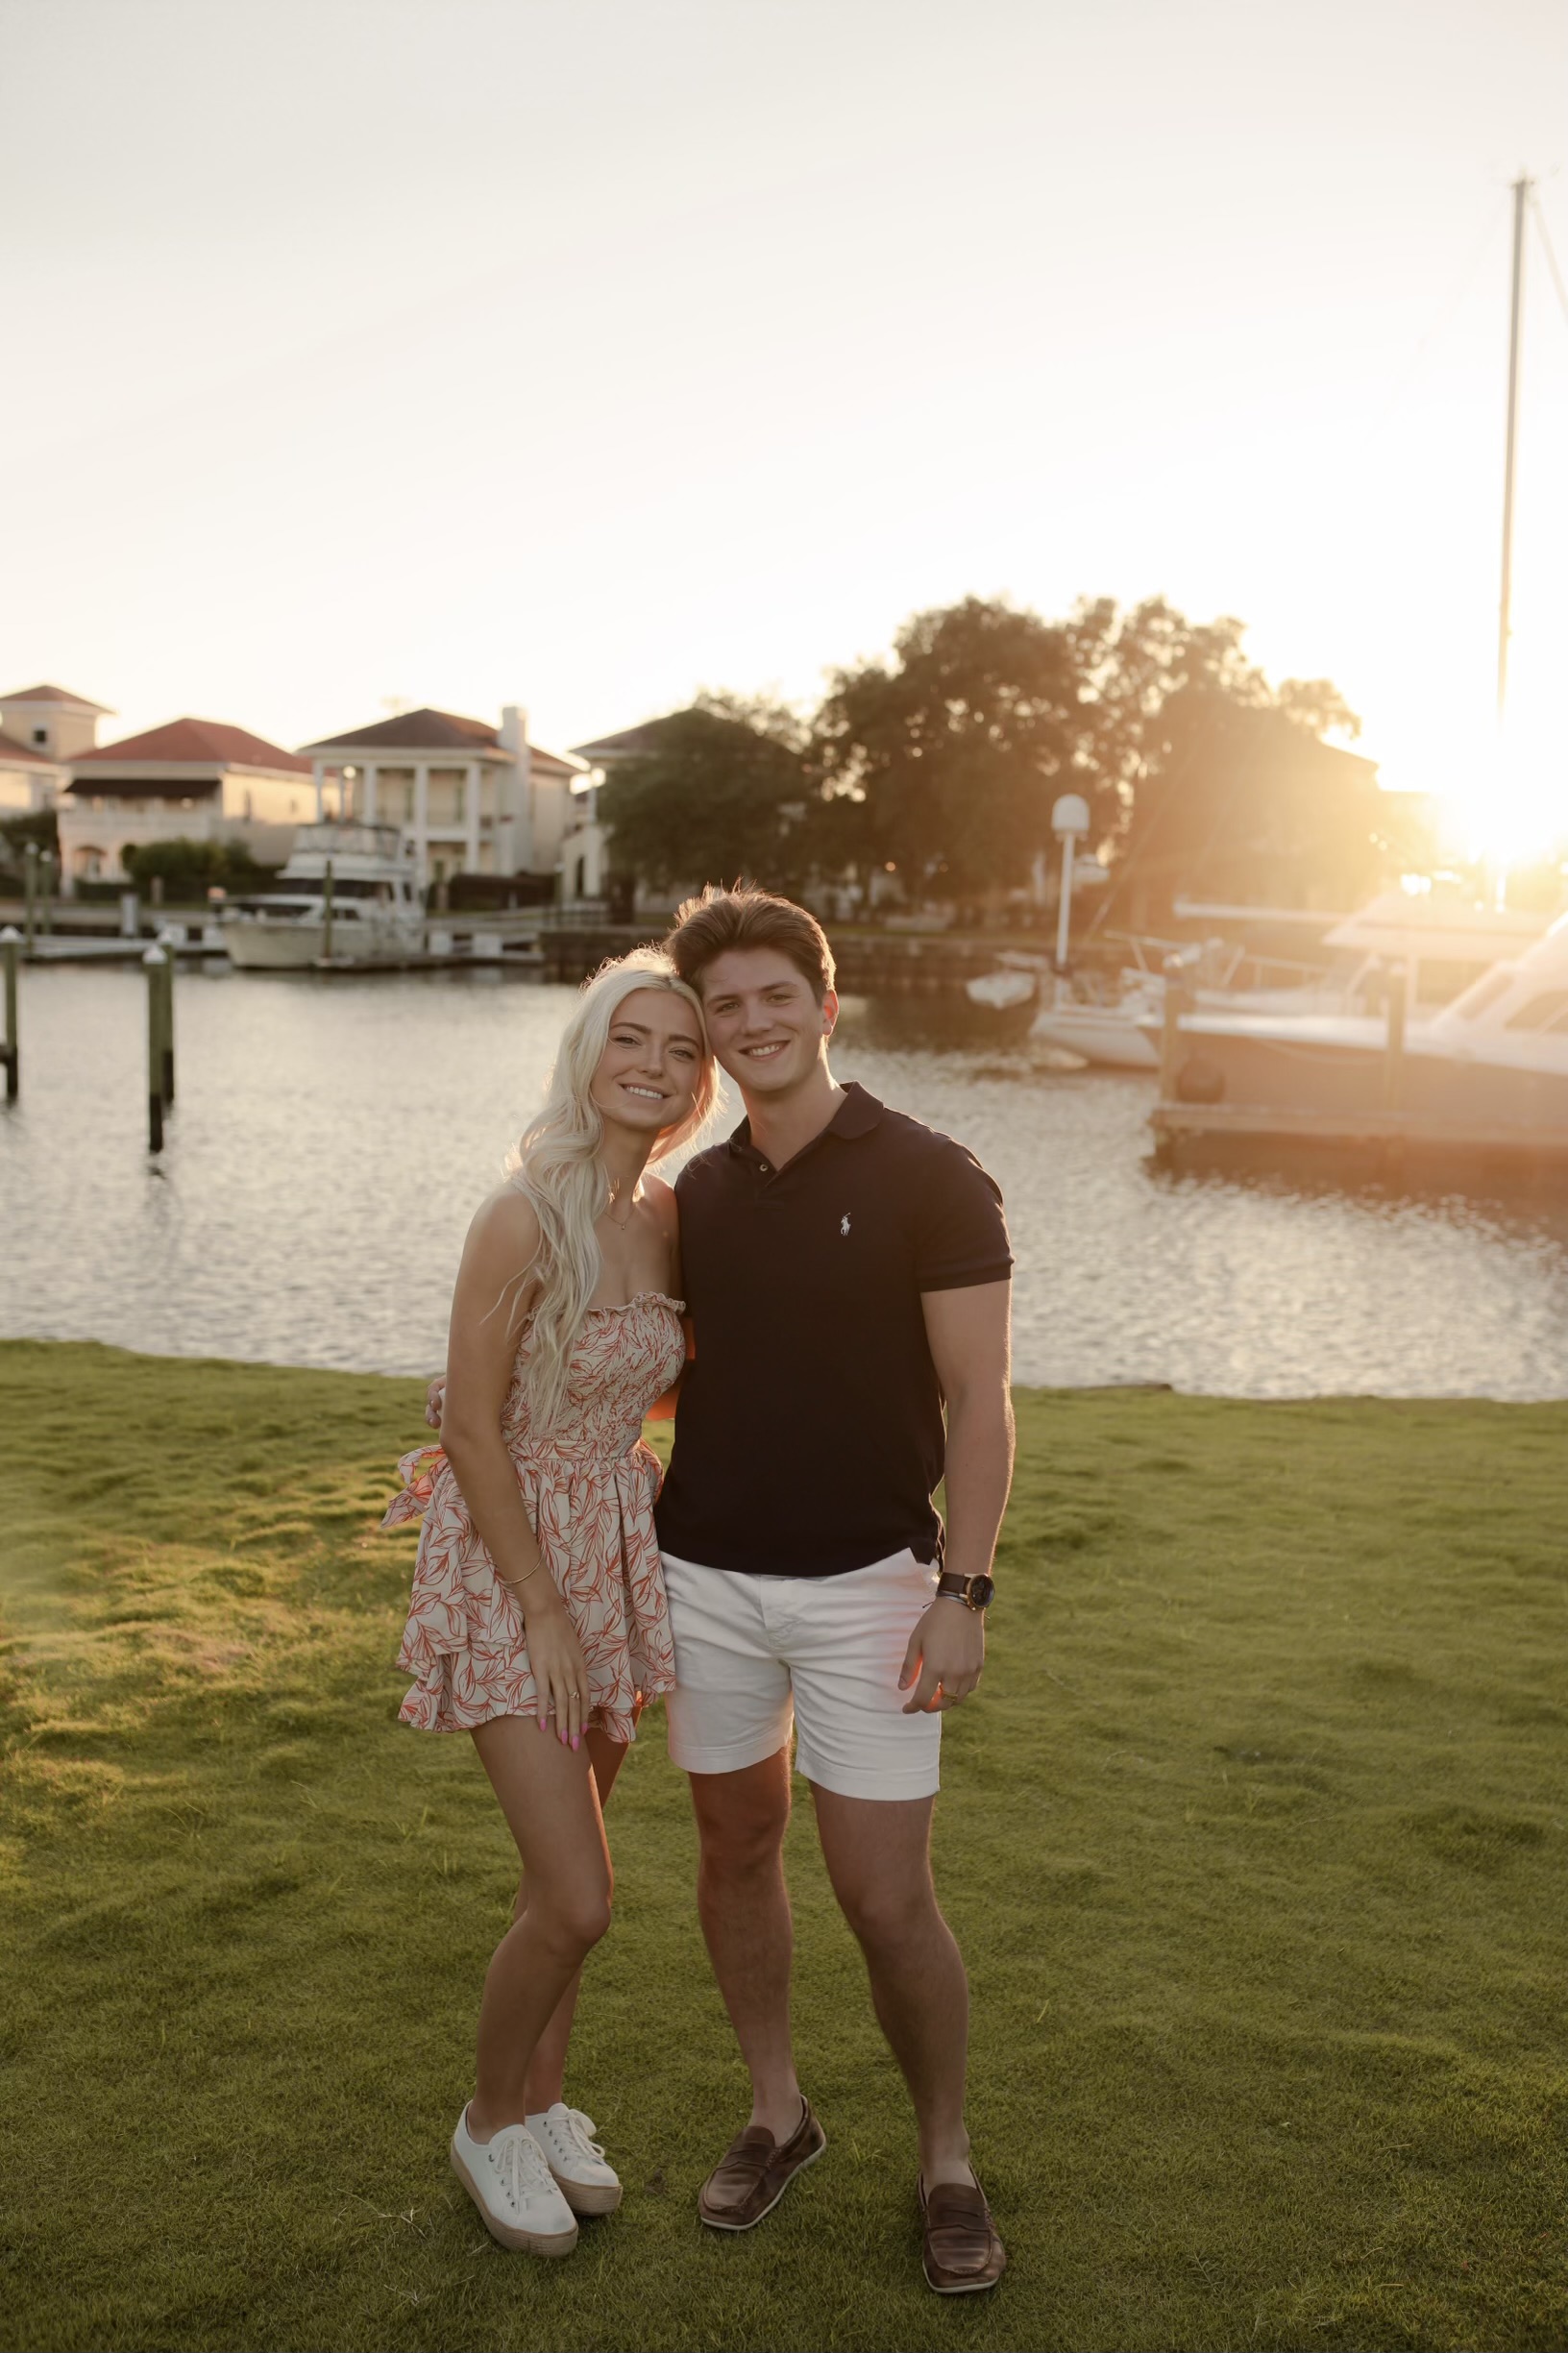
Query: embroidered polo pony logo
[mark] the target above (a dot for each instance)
(843, 1223)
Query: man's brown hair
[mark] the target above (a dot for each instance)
(743, 918)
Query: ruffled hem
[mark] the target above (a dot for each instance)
(432, 1705)
(464, 1642)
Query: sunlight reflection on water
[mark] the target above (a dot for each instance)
(332, 1138)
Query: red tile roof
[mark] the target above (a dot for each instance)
(10, 749)
(57, 694)
(425, 730)
(201, 741)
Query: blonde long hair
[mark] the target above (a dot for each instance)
(555, 1164)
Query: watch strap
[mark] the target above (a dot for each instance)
(950, 1585)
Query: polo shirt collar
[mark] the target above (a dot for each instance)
(856, 1115)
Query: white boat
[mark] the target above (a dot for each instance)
(1004, 1000)
(1121, 1032)
(1440, 944)
(1493, 1064)
(375, 914)
(1441, 941)
(1003, 991)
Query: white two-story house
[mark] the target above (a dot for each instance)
(467, 798)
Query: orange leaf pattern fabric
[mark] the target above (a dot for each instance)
(589, 1487)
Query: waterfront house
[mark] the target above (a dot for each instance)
(467, 798)
(192, 780)
(42, 729)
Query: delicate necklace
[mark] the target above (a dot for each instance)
(619, 1223)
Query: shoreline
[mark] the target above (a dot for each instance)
(1020, 1388)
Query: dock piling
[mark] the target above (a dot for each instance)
(166, 1064)
(10, 1053)
(1394, 1055)
(1178, 1000)
(157, 963)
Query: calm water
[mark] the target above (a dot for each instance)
(332, 1139)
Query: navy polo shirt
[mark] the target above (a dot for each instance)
(809, 1437)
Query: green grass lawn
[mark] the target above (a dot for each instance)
(1255, 1844)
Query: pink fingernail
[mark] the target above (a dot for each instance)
(576, 1742)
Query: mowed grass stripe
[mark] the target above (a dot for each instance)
(1255, 1844)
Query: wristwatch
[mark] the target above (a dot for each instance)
(974, 1592)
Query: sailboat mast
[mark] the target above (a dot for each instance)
(1521, 197)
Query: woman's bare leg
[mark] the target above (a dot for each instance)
(547, 2069)
(549, 1796)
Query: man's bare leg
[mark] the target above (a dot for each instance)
(878, 1856)
(745, 1910)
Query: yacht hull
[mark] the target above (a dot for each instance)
(255, 946)
(273, 947)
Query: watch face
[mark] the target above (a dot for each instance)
(982, 1592)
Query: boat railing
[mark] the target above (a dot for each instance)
(1219, 964)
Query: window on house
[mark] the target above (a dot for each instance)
(40, 735)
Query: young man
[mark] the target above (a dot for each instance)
(847, 1271)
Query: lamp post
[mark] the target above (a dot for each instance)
(1069, 822)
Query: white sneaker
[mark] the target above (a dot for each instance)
(575, 2160)
(510, 2183)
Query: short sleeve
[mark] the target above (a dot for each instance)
(961, 1237)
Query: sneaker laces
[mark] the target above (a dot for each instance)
(578, 2130)
(519, 2165)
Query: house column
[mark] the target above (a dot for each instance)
(371, 774)
(470, 813)
(318, 771)
(422, 821)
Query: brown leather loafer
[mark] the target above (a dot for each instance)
(963, 2252)
(756, 2171)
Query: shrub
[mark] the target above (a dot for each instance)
(189, 870)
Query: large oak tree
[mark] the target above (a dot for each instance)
(943, 763)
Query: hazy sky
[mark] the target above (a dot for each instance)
(583, 351)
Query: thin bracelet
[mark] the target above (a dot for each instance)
(511, 1583)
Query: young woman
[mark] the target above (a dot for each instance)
(538, 1618)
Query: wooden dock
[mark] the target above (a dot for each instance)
(1382, 1135)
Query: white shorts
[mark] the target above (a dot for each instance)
(754, 1652)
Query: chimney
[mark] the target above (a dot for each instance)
(514, 852)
